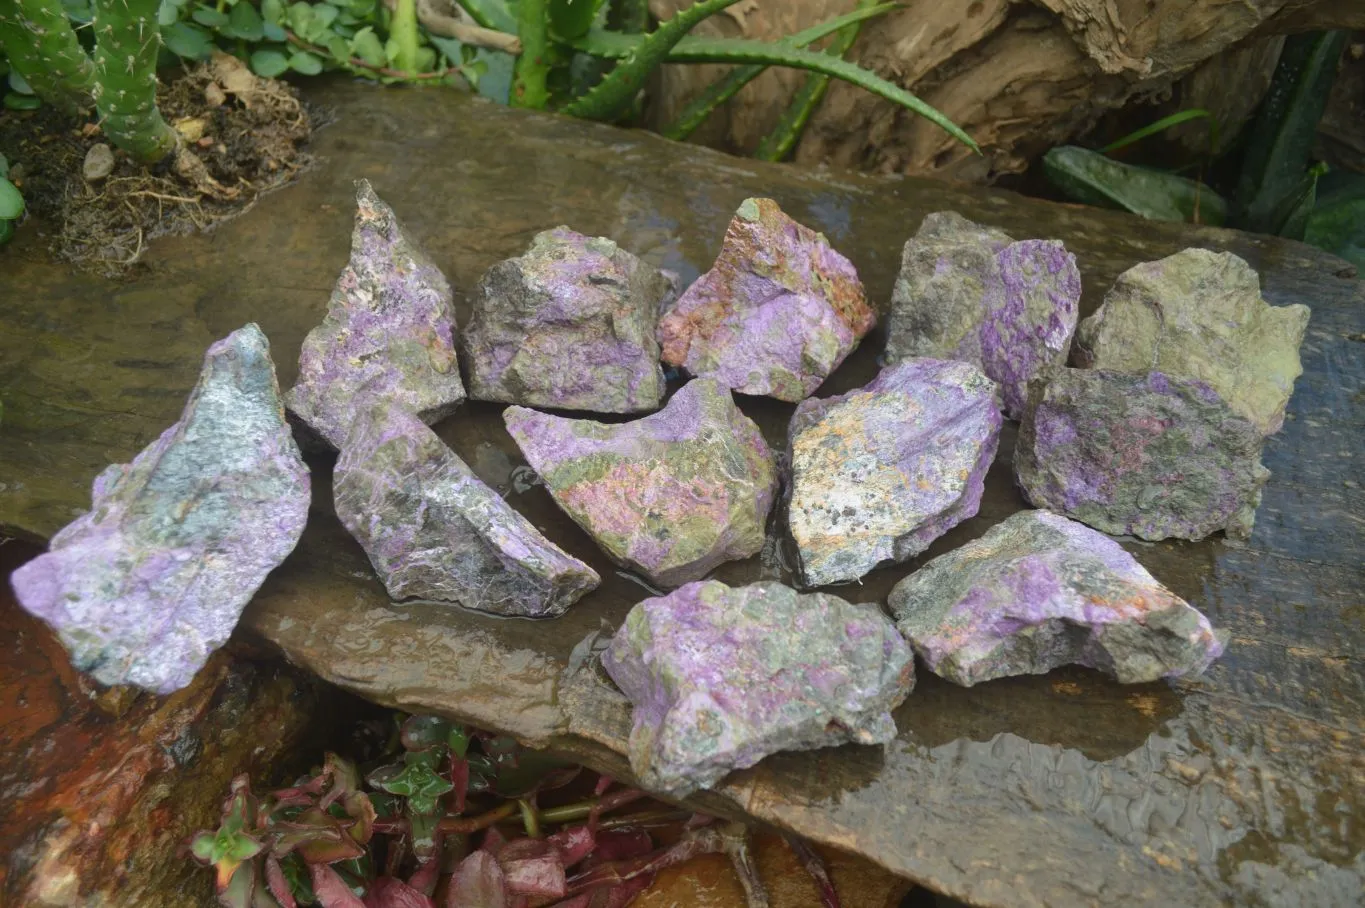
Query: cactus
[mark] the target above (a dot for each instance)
(42, 47)
(126, 43)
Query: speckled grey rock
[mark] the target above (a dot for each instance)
(434, 530)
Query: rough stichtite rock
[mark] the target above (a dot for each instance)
(1145, 455)
(881, 472)
(671, 495)
(569, 325)
(721, 677)
(1199, 315)
(434, 530)
(775, 315)
(148, 583)
(1041, 591)
(389, 332)
(970, 292)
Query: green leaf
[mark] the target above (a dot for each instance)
(1089, 177)
(367, 46)
(209, 17)
(168, 13)
(724, 89)
(452, 50)
(572, 18)
(18, 83)
(78, 11)
(325, 15)
(245, 22)
(1162, 125)
(269, 62)
(273, 11)
(273, 32)
(300, 17)
(1290, 218)
(305, 63)
(187, 41)
(415, 779)
(340, 48)
(203, 847)
(1286, 127)
(1337, 223)
(238, 892)
(22, 102)
(494, 14)
(6, 232)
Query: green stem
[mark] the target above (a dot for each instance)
(126, 43)
(531, 76)
(403, 30)
(452, 825)
(41, 45)
(777, 144)
(529, 818)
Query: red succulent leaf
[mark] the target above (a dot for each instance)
(532, 868)
(359, 807)
(278, 885)
(619, 844)
(478, 882)
(239, 888)
(603, 783)
(425, 877)
(573, 844)
(459, 777)
(318, 837)
(331, 890)
(493, 841)
(343, 776)
(388, 892)
(622, 895)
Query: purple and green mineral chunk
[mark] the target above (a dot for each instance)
(671, 495)
(434, 530)
(1142, 455)
(972, 293)
(1039, 591)
(721, 677)
(152, 579)
(569, 325)
(776, 314)
(1200, 315)
(388, 333)
(881, 472)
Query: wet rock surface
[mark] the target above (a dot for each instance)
(1200, 315)
(776, 314)
(879, 473)
(569, 324)
(968, 291)
(1225, 788)
(671, 495)
(434, 530)
(389, 331)
(721, 677)
(152, 579)
(1040, 591)
(1141, 455)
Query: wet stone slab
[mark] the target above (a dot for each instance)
(1240, 786)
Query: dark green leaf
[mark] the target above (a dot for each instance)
(1290, 217)
(22, 102)
(245, 22)
(6, 232)
(493, 14)
(11, 201)
(305, 63)
(190, 42)
(269, 62)
(209, 17)
(1286, 127)
(1337, 223)
(1089, 177)
(571, 19)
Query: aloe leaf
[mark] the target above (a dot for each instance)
(777, 144)
(42, 47)
(572, 18)
(1290, 219)
(1089, 177)
(741, 50)
(530, 77)
(1337, 223)
(492, 14)
(1165, 123)
(724, 89)
(1282, 137)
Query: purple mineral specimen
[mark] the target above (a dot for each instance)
(881, 472)
(148, 583)
(569, 325)
(433, 530)
(970, 292)
(389, 332)
(1145, 455)
(1040, 591)
(775, 315)
(671, 495)
(721, 677)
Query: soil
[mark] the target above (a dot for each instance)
(243, 136)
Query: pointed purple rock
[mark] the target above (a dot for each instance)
(1142, 455)
(881, 472)
(671, 495)
(721, 677)
(569, 325)
(434, 530)
(777, 313)
(969, 292)
(389, 332)
(148, 583)
(1039, 591)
